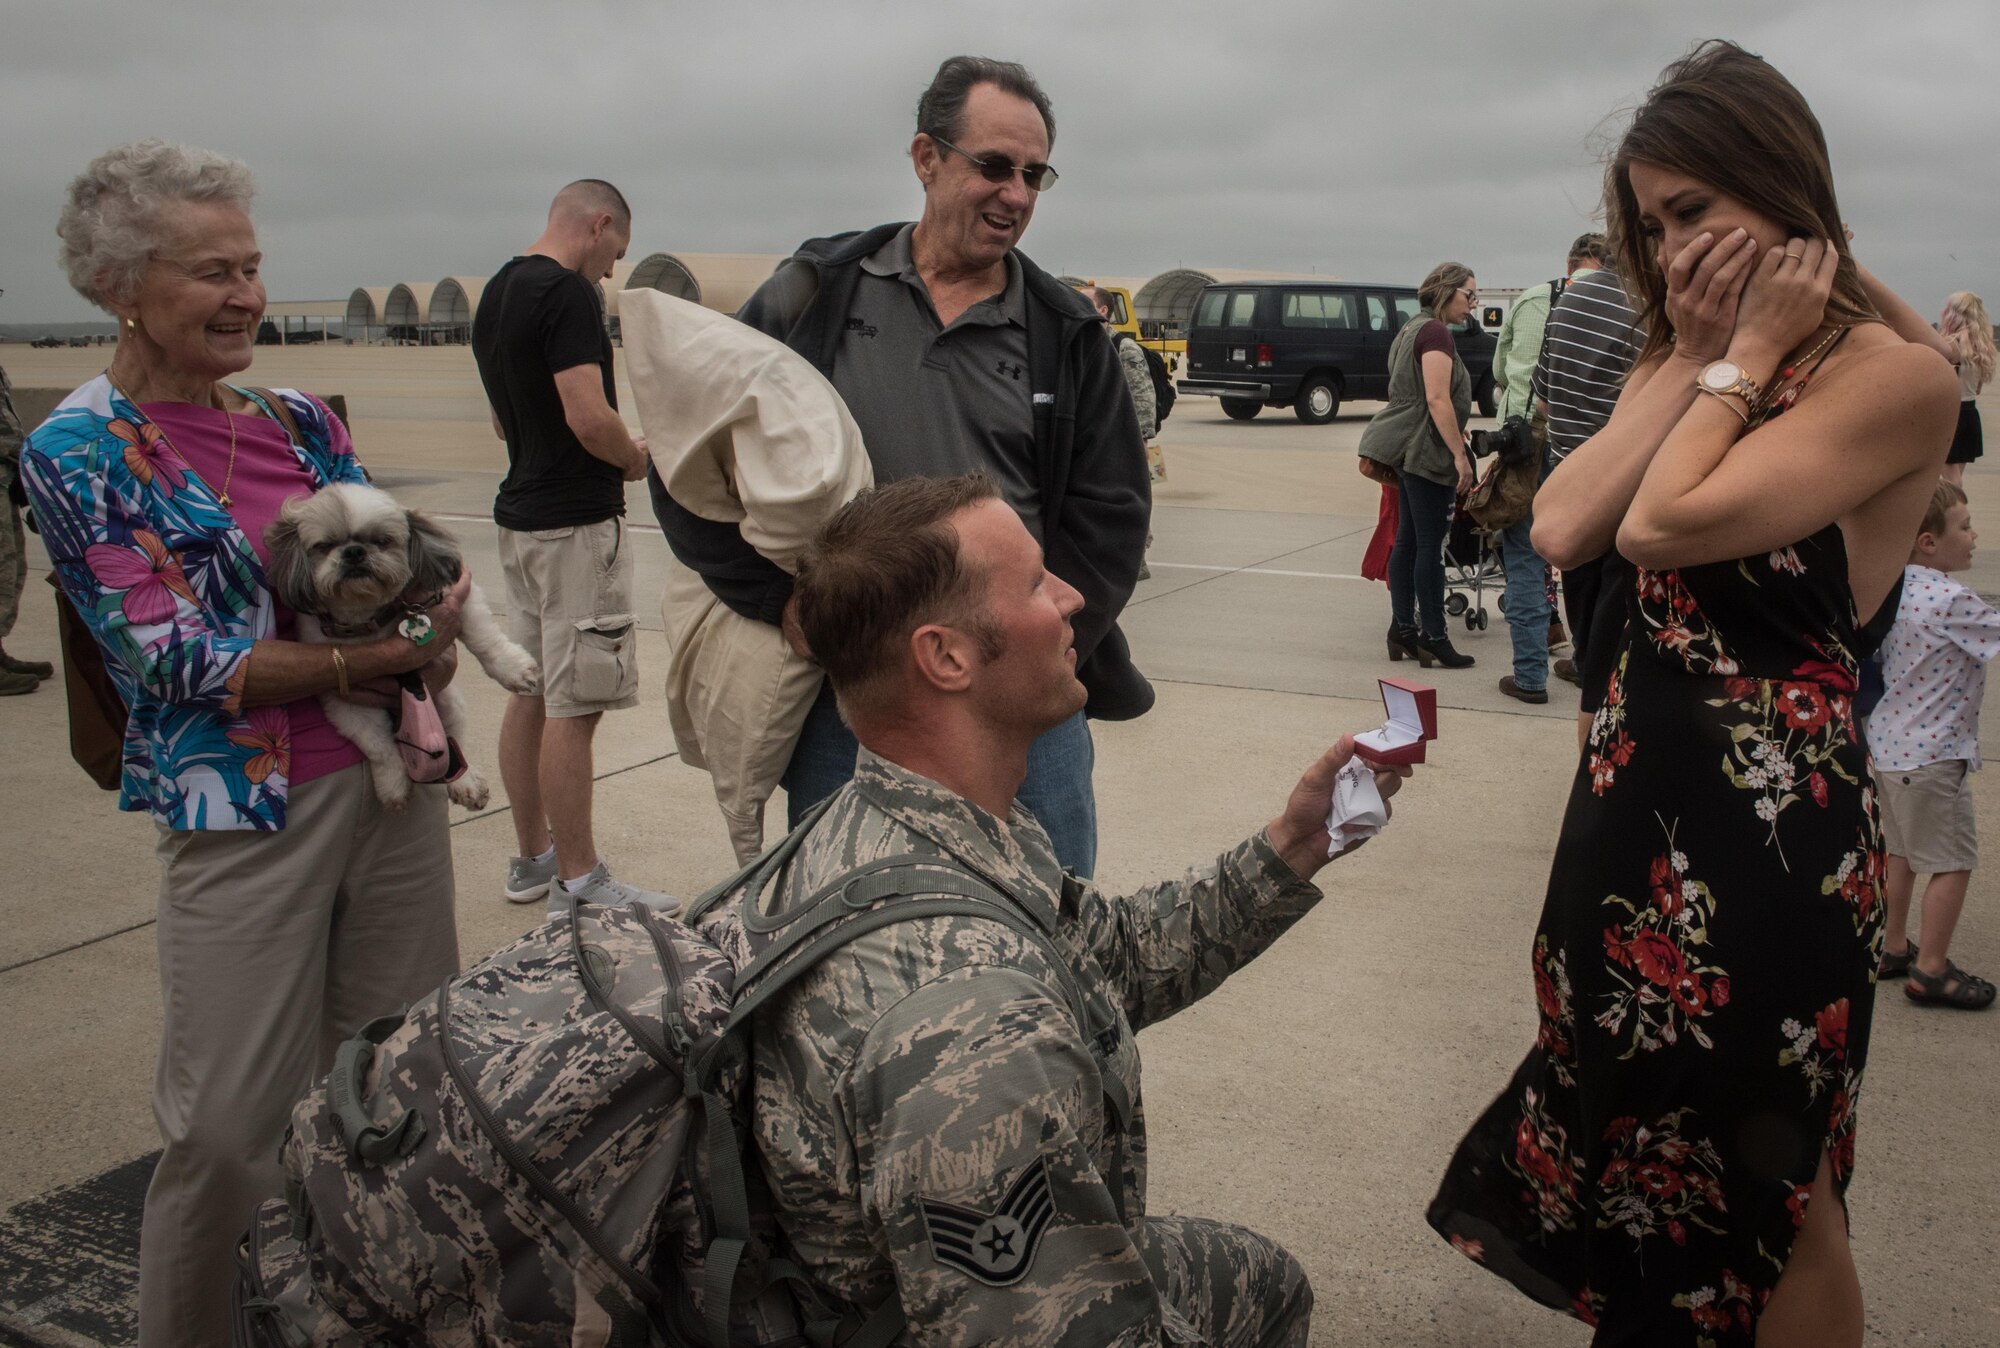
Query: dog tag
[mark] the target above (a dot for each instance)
(417, 627)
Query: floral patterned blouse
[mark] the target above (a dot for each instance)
(176, 597)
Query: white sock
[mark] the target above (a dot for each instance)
(575, 883)
(547, 856)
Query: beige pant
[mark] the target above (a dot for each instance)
(737, 698)
(569, 602)
(273, 948)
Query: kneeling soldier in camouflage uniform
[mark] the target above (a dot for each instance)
(949, 1113)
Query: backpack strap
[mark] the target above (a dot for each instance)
(524, 1166)
(773, 857)
(902, 888)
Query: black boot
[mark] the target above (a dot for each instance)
(1437, 650)
(1402, 642)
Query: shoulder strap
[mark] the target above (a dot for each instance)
(773, 857)
(277, 409)
(1556, 288)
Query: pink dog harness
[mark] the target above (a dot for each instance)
(429, 755)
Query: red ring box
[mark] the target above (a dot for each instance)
(1413, 721)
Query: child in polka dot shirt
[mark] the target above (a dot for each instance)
(1924, 736)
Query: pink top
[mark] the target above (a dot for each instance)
(268, 473)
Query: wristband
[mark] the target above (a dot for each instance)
(1723, 396)
(339, 669)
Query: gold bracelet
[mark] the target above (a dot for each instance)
(1724, 397)
(339, 668)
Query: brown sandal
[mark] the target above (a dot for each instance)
(1896, 966)
(1973, 993)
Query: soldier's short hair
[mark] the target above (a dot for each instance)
(594, 196)
(886, 564)
(941, 108)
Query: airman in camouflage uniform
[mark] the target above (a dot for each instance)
(16, 676)
(938, 1118)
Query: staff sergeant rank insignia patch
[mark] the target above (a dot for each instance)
(998, 1248)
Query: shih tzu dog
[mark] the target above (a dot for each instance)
(355, 566)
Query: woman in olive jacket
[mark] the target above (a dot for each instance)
(1421, 434)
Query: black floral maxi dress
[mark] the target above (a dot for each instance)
(1704, 967)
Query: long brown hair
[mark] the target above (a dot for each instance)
(1723, 116)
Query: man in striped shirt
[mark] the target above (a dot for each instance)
(1593, 338)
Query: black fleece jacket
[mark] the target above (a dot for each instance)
(1090, 462)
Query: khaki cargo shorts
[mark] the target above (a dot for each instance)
(569, 602)
(1927, 817)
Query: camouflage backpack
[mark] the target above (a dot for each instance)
(551, 1150)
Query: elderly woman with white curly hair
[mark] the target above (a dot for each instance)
(293, 908)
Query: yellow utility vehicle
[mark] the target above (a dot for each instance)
(1123, 319)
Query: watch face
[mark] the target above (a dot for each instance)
(1721, 375)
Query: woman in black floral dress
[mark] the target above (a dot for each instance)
(1670, 1160)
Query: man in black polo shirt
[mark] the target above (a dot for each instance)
(957, 354)
(545, 359)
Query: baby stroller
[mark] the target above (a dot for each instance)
(1471, 568)
(1472, 563)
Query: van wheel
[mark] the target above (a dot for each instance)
(1488, 404)
(1318, 402)
(1241, 409)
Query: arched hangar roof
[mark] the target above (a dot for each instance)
(409, 304)
(1167, 301)
(719, 281)
(454, 301)
(366, 306)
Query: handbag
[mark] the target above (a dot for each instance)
(1502, 498)
(1377, 471)
(97, 712)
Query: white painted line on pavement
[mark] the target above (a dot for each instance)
(1168, 566)
(1254, 571)
(488, 519)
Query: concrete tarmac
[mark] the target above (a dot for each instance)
(1315, 1097)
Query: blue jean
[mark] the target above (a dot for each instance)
(1527, 604)
(1416, 563)
(1057, 791)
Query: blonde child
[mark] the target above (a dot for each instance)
(1924, 735)
(1969, 333)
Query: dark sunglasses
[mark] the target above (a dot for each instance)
(999, 169)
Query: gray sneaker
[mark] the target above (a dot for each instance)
(598, 887)
(529, 879)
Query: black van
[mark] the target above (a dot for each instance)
(1307, 345)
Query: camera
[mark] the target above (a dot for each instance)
(1513, 441)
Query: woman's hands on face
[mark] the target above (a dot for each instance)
(1784, 301)
(1705, 281)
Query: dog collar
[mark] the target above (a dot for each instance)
(413, 613)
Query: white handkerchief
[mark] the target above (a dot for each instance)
(1358, 810)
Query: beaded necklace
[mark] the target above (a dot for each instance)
(1781, 397)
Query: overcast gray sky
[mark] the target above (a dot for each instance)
(407, 140)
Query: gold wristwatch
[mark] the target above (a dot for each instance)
(1724, 378)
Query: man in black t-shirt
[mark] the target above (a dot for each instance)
(545, 359)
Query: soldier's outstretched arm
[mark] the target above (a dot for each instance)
(1173, 942)
(976, 1111)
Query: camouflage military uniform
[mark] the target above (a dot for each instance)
(931, 1114)
(13, 544)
